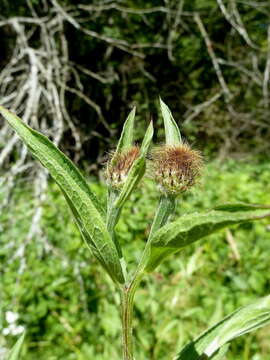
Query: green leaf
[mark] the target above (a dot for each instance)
(126, 138)
(83, 203)
(240, 322)
(125, 142)
(219, 354)
(137, 170)
(15, 351)
(172, 133)
(165, 209)
(192, 227)
(240, 206)
(116, 199)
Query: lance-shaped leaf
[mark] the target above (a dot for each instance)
(14, 353)
(126, 138)
(166, 203)
(125, 143)
(192, 227)
(240, 322)
(172, 133)
(83, 203)
(240, 206)
(118, 196)
(137, 170)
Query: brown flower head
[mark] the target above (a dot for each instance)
(119, 165)
(176, 168)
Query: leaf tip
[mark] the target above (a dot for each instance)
(150, 129)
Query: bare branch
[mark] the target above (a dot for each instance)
(236, 22)
(172, 30)
(196, 110)
(267, 73)
(225, 89)
(115, 6)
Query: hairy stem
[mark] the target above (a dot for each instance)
(112, 217)
(165, 209)
(127, 300)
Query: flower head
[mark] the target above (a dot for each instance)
(119, 165)
(176, 167)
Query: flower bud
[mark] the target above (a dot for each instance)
(119, 165)
(176, 168)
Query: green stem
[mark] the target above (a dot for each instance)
(165, 209)
(127, 300)
(112, 217)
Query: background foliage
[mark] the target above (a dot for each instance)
(73, 70)
(64, 299)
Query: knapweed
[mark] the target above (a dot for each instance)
(118, 166)
(176, 167)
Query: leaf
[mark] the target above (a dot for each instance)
(240, 206)
(137, 170)
(116, 199)
(15, 351)
(126, 138)
(166, 204)
(240, 322)
(84, 205)
(219, 354)
(172, 133)
(192, 227)
(124, 143)
(165, 209)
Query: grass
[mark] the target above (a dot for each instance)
(67, 303)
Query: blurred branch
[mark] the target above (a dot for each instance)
(225, 89)
(267, 72)
(196, 110)
(251, 74)
(114, 6)
(121, 44)
(236, 22)
(173, 28)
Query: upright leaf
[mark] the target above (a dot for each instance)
(240, 206)
(192, 227)
(124, 144)
(14, 353)
(126, 138)
(242, 321)
(172, 133)
(83, 203)
(117, 196)
(137, 170)
(166, 202)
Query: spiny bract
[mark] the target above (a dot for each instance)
(119, 165)
(176, 168)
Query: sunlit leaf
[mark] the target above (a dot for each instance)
(240, 206)
(14, 353)
(172, 133)
(137, 170)
(83, 203)
(125, 142)
(166, 202)
(192, 227)
(126, 138)
(210, 344)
